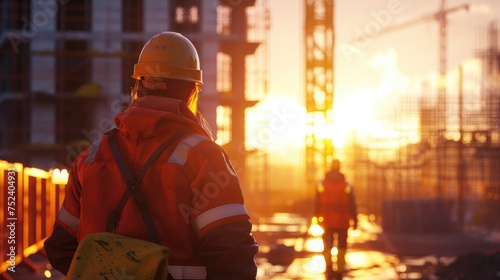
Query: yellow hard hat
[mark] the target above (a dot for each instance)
(169, 55)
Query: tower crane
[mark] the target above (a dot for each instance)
(441, 17)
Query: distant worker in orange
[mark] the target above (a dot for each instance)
(336, 207)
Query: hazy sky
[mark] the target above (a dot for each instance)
(410, 52)
(370, 77)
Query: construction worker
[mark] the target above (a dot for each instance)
(191, 190)
(336, 208)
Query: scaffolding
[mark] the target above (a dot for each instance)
(442, 179)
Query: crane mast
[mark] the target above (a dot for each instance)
(319, 85)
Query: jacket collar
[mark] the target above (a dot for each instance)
(153, 116)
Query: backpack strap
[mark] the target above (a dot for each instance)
(133, 187)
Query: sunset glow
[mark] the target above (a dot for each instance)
(276, 123)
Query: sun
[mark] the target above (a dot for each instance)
(353, 113)
(280, 123)
(276, 123)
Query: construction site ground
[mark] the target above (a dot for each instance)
(372, 254)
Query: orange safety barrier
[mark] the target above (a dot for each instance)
(30, 199)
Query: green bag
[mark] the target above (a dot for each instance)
(106, 255)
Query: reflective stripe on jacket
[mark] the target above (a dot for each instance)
(187, 272)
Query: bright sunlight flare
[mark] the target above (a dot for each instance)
(279, 123)
(276, 123)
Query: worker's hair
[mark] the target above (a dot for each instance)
(178, 89)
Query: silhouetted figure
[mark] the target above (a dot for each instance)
(336, 207)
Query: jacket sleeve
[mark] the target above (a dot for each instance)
(317, 203)
(60, 248)
(228, 252)
(352, 207)
(221, 222)
(61, 245)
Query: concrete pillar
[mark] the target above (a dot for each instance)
(208, 49)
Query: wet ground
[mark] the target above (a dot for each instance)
(287, 250)
(372, 254)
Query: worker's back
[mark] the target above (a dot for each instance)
(334, 200)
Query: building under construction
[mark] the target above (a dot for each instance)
(65, 70)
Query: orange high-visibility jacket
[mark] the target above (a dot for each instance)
(192, 192)
(336, 202)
